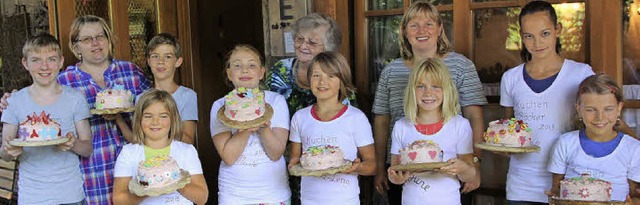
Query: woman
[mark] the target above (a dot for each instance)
(91, 41)
(313, 34)
(422, 38)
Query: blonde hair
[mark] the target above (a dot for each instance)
(149, 98)
(333, 63)
(434, 70)
(246, 48)
(79, 22)
(422, 8)
(41, 42)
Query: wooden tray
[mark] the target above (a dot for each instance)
(246, 124)
(498, 148)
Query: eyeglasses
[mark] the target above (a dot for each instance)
(89, 39)
(299, 40)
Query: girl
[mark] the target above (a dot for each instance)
(329, 122)
(431, 113)
(421, 37)
(531, 93)
(156, 123)
(598, 149)
(163, 58)
(253, 170)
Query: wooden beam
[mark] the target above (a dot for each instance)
(191, 65)
(605, 42)
(120, 25)
(63, 27)
(365, 97)
(462, 27)
(339, 11)
(167, 16)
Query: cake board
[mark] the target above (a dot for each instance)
(111, 111)
(246, 124)
(558, 201)
(20, 143)
(139, 190)
(297, 170)
(498, 148)
(420, 167)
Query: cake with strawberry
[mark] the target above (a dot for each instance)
(322, 157)
(421, 151)
(244, 104)
(39, 128)
(508, 133)
(158, 172)
(115, 97)
(585, 188)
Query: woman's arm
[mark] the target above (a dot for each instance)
(126, 131)
(475, 116)
(380, 136)
(189, 131)
(121, 194)
(196, 191)
(230, 147)
(274, 140)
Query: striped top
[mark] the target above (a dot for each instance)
(107, 139)
(389, 99)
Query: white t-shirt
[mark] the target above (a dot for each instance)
(349, 131)
(455, 138)
(185, 154)
(623, 163)
(549, 114)
(186, 101)
(254, 178)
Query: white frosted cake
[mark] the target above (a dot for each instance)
(39, 128)
(508, 133)
(242, 104)
(421, 151)
(322, 157)
(116, 97)
(158, 172)
(585, 188)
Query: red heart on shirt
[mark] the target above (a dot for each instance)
(412, 155)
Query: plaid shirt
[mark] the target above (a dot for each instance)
(107, 139)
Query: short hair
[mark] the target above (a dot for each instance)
(333, 63)
(164, 39)
(333, 35)
(40, 42)
(422, 8)
(600, 84)
(531, 8)
(79, 22)
(247, 48)
(149, 98)
(434, 70)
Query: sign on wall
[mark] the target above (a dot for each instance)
(282, 15)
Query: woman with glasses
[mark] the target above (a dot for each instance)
(91, 41)
(313, 34)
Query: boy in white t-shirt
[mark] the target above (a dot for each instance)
(48, 174)
(431, 113)
(329, 122)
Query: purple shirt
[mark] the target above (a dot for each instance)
(107, 139)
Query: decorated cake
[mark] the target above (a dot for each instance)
(421, 151)
(116, 97)
(158, 172)
(508, 133)
(322, 157)
(585, 188)
(244, 104)
(38, 128)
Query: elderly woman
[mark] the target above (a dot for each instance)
(313, 34)
(422, 37)
(92, 43)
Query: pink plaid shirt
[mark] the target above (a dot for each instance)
(107, 139)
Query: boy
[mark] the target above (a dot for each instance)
(163, 57)
(48, 174)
